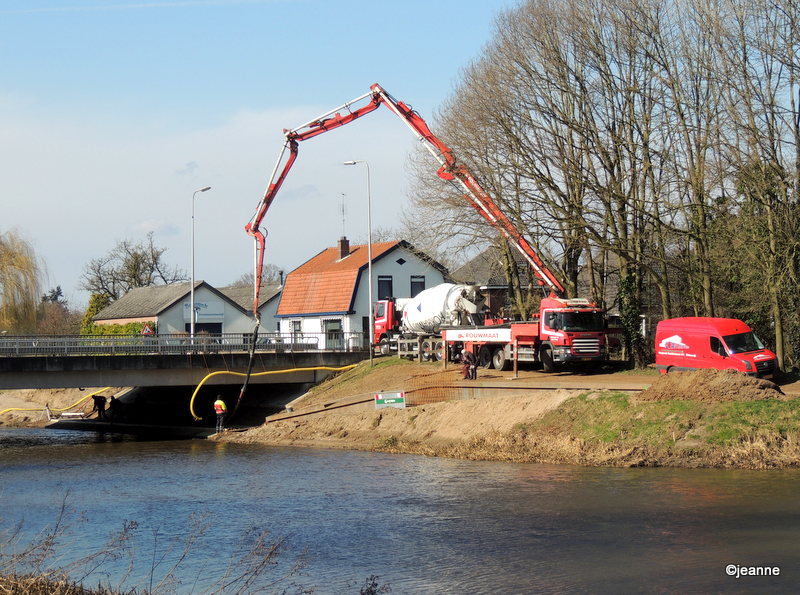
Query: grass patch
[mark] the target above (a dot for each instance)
(612, 418)
(741, 421)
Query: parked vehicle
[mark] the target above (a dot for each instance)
(564, 330)
(446, 304)
(695, 343)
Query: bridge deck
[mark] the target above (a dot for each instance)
(86, 361)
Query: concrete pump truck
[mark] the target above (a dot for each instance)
(564, 330)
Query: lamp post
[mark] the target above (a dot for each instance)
(192, 315)
(369, 256)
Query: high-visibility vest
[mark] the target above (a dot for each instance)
(219, 406)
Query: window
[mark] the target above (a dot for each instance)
(744, 342)
(417, 284)
(717, 347)
(385, 290)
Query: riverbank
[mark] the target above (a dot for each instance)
(703, 419)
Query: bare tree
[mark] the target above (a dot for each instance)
(127, 266)
(270, 274)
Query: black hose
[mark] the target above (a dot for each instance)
(249, 368)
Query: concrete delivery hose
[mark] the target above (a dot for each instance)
(248, 375)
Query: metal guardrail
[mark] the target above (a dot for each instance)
(59, 345)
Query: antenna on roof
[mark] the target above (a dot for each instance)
(344, 211)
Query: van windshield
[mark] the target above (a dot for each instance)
(743, 342)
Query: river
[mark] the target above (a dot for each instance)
(422, 525)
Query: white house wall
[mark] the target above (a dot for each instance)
(401, 279)
(211, 308)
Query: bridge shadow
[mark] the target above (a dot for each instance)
(160, 412)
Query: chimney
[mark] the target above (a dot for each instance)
(344, 247)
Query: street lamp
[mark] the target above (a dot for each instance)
(191, 289)
(369, 256)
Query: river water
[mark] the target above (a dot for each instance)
(422, 525)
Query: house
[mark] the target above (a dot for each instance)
(225, 310)
(328, 296)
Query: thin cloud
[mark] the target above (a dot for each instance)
(132, 6)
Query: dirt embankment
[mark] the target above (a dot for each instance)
(24, 408)
(710, 386)
(536, 425)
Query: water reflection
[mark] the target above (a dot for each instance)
(421, 524)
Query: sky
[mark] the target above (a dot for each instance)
(114, 112)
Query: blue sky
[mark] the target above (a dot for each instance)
(112, 112)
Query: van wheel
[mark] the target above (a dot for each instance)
(546, 357)
(499, 359)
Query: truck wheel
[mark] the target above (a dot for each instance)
(386, 348)
(546, 357)
(485, 357)
(437, 353)
(499, 360)
(427, 349)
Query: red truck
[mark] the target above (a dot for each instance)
(695, 343)
(563, 331)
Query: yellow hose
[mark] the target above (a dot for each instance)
(78, 402)
(194, 394)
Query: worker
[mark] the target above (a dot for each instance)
(221, 410)
(100, 407)
(469, 368)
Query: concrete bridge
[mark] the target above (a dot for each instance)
(86, 361)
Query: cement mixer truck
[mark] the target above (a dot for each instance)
(424, 316)
(565, 330)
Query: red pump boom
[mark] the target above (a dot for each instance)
(449, 170)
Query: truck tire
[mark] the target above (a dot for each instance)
(499, 359)
(438, 345)
(386, 348)
(485, 357)
(426, 351)
(546, 357)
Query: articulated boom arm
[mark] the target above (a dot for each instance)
(449, 170)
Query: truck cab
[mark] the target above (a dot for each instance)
(695, 343)
(573, 330)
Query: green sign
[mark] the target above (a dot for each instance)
(390, 400)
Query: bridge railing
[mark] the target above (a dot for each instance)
(57, 345)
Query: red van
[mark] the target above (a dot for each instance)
(723, 343)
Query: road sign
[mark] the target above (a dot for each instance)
(146, 330)
(390, 400)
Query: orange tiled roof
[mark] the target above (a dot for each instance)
(325, 283)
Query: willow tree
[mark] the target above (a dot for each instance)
(19, 284)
